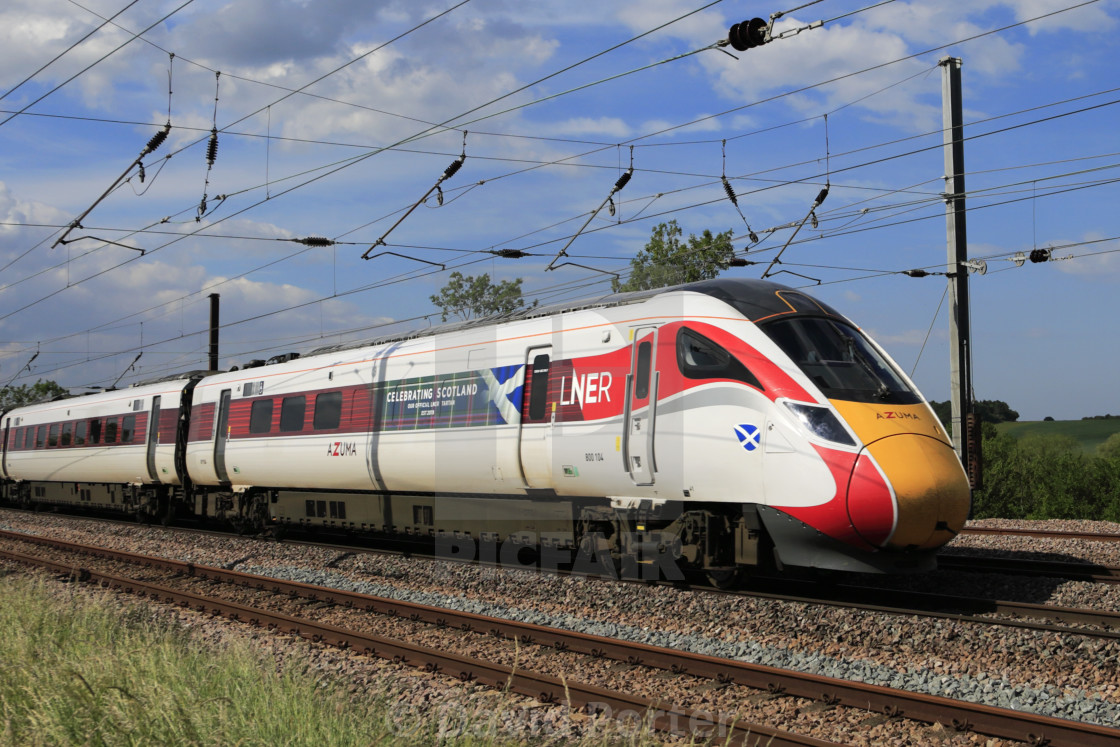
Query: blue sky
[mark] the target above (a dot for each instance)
(335, 116)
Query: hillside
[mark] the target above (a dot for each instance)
(1090, 433)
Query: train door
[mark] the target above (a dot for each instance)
(153, 438)
(536, 420)
(4, 448)
(221, 434)
(638, 425)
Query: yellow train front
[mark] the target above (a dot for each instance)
(898, 491)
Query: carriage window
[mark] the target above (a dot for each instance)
(260, 418)
(700, 358)
(111, 431)
(80, 433)
(641, 386)
(328, 410)
(67, 429)
(40, 436)
(128, 427)
(291, 413)
(95, 431)
(52, 436)
(538, 389)
(27, 437)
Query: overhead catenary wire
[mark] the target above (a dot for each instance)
(579, 284)
(618, 186)
(154, 143)
(95, 62)
(788, 182)
(763, 249)
(734, 199)
(211, 155)
(334, 168)
(788, 93)
(68, 50)
(404, 278)
(449, 172)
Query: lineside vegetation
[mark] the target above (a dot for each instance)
(78, 671)
(1048, 477)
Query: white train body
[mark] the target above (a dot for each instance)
(124, 436)
(644, 418)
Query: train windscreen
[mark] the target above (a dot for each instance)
(840, 360)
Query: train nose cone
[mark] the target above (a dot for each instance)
(931, 491)
(914, 456)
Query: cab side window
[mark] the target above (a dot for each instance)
(700, 358)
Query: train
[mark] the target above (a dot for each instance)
(717, 428)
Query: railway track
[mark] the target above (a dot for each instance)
(1106, 624)
(1048, 533)
(1025, 615)
(1076, 571)
(828, 692)
(661, 715)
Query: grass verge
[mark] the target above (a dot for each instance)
(77, 669)
(74, 670)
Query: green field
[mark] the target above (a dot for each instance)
(1089, 433)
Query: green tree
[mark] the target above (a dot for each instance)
(29, 394)
(475, 297)
(668, 260)
(995, 411)
(989, 410)
(1046, 478)
(1110, 449)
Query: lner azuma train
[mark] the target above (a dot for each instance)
(709, 427)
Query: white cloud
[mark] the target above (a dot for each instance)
(1089, 18)
(1099, 261)
(22, 212)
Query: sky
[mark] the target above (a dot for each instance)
(335, 117)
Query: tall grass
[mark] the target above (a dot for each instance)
(76, 670)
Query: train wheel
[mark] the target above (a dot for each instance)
(725, 578)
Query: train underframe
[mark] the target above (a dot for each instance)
(635, 539)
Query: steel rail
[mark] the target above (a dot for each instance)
(931, 604)
(659, 714)
(1074, 570)
(869, 598)
(1056, 534)
(959, 715)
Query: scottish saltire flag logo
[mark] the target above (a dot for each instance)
(749, 436)
(505, 391)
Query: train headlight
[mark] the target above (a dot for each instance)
(821, 422)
